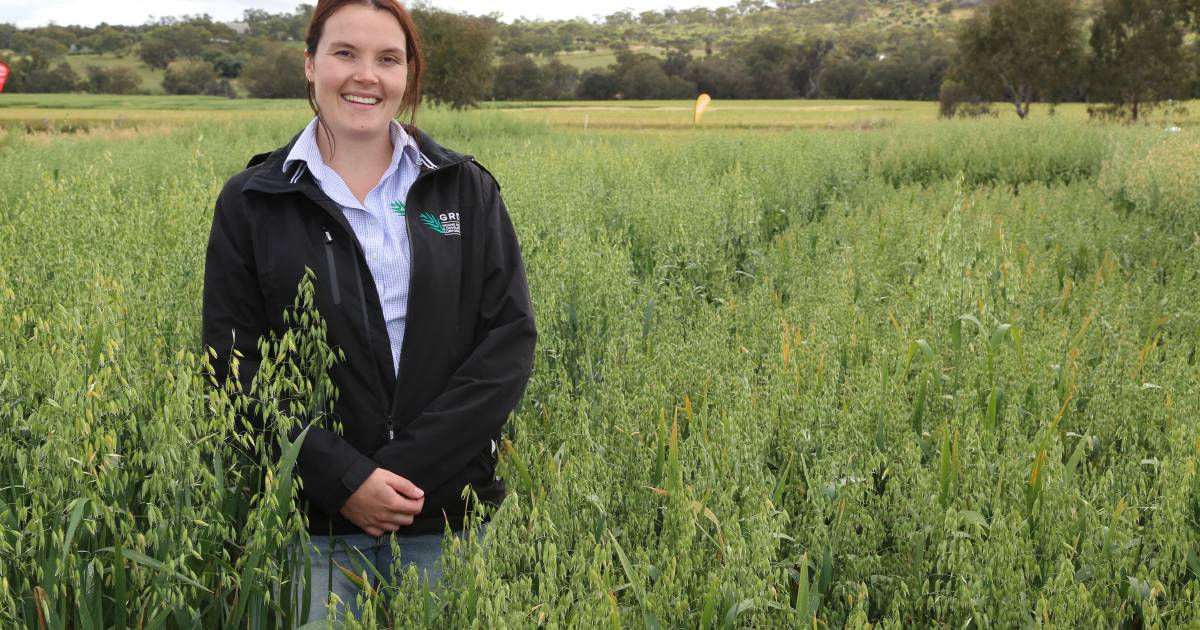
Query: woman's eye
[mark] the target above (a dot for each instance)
(342, 53)
(391, 60)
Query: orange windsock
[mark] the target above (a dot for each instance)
(702, 102)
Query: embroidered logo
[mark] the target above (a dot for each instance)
(398, 207)
(446, 223)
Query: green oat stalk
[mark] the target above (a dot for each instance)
(433, 223)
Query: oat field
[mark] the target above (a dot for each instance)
(898, 374)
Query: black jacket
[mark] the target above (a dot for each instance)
(468, 345)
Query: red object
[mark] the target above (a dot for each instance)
(3, 76)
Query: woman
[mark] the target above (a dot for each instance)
(418, 277)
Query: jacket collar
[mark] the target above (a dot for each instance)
(271, 178)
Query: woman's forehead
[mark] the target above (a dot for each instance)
(362, 26)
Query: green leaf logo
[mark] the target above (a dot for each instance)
(398, 207)
(433, 223)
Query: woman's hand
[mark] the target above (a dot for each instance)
(385, 502)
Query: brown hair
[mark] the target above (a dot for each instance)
(412, 44)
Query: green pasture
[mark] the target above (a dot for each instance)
(85, 111)
(794, 370)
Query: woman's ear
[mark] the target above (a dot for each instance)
(309, 72)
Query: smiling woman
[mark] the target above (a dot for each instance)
(419, 280)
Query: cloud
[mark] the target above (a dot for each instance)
(90, 12)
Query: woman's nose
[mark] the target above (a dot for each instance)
(365, 73)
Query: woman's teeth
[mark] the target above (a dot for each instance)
(360, 99)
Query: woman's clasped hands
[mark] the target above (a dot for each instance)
(385, 502)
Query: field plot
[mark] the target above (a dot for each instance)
(773, 116)
(927, 374)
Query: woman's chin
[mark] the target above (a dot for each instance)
(362, 130)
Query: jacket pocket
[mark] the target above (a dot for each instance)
(486, 460)
(334, 288)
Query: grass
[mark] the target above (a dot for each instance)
(68, 110)
(935, 374)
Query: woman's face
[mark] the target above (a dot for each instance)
(359, 71)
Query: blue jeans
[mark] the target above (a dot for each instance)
(423, 551)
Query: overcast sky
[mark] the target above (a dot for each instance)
(27, 13)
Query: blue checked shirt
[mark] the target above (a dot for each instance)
(378, 224)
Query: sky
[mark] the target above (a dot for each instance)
(29, 13)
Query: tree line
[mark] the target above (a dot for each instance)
(1119, 55)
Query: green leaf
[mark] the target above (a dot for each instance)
(826, 581)
(802, 591)
(737, 609)
(1193, 563)
(634, 582)
(999, 335)
(77, 506)
(973, 320)
(147, 561)
(944, 470)
(433, 223)
(971, 517)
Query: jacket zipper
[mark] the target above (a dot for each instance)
(412, 264)
(333, 280)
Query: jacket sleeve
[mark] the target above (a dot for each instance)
(481, 393)
(234, 318)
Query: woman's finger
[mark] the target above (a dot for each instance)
(404, 506)
(404, 486)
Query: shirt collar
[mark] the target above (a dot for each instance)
(305, 150)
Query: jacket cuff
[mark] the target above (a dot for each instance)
(329, 491)
(356, 475)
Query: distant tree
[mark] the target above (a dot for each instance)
(108, 40)
(645, 79)
(768, 61)
(677, 62)
(6, 32)
(35, 74)
(559, 81)
(227, 65)
(189, 40)
(955, 100)
(165, 44)
(808, 61)
(619, 18)
(517, 79)
(25, 42)
(116, 80)
(265, 24)
(1137, 55)
(277, 73)
(1021, 50)
(721, 77)
(60, 34)
(156, 51)
(598, 84)
(190, 76)
(843, 77)
(458, 52)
